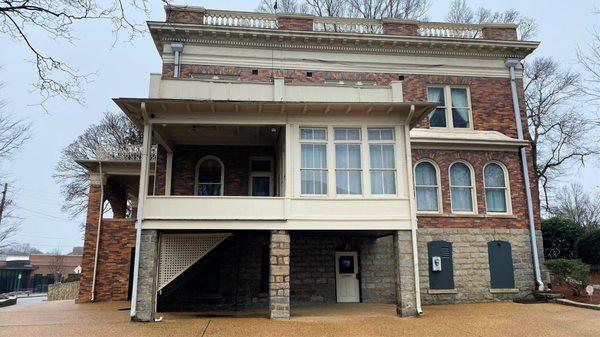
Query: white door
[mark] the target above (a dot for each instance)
(346, 276)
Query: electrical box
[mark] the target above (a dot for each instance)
(436, 263)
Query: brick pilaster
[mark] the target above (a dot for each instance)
(400, 27)
(94, 211)
(505, 32)
(406, 300)
(279, 277)
(191, 15)
(295, 22)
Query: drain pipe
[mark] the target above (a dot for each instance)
(100, 212)
(511, 64)
(177, 48)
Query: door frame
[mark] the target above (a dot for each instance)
(270, 174)
(356, 252)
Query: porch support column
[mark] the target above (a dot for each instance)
(147, 276)
(405, 274)
(279, 277)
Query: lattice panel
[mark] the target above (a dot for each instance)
(178, 252)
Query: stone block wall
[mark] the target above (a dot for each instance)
(406, 298)
(279, 275)
(147, 276)
(63, 291)
(471, 266)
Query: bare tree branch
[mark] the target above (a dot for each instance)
(574, 203)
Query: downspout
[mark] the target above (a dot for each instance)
(98, 233)
(177, 48)
(511, 64)
(413, 210)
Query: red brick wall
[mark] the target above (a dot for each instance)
(236, 160)
(117, 237)
(295, 23)
(398, 28)
(267, 74)
(477, 159)
(183, 16)
(495, 33)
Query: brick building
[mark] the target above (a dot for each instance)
(292, 160)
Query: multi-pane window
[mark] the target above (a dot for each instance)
(314, 160)
(461, 188)
(426, 184)
(453, 107)
(383, 163)
(209, 176)
(495, 188)
(348, 169)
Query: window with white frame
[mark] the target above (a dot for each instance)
(348, 168)
(461, 188)
(454, 109)
(382, 160)
(209, 176)
(313, 165)
(427, 187)
(496, 191)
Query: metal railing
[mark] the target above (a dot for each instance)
(123, 152)
(341, 25)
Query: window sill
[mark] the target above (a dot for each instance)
(504, 291)
(458, 215)
(442, 291)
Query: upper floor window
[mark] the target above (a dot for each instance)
(313, 165)
(496, 191)
(427, 187)
(462, 191)
(454, 109)
(209, 176)
(348, 168)
(383, 162)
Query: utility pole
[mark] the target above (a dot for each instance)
(3, 202)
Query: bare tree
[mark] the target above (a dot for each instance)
(20, 249)
(337, 8)
(589, 59)
(56, 264)
(461, 12)
(115, 129)
(20, 19)
(574, 203)
(561, 135)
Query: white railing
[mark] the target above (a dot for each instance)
(240, 19)
(451, 30)
(341, 25)
(123, 152)
(347, 25)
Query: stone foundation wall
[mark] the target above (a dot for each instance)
(313, 268)
(63, 291)
(471, 266)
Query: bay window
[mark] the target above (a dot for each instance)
(348, 169)
(314, 160)
(383, 162)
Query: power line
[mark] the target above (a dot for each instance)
(47, 237)
(43, 214)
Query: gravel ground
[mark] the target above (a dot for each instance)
(64, 318)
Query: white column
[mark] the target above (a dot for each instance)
(169, 173)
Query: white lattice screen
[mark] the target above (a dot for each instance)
(178, 252)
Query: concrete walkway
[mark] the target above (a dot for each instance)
(64, 318)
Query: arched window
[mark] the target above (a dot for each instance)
(427, 187)
(496, 191)
(462, 191)
(209, 176)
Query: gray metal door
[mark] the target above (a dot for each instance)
(502, 275)
(442, 276)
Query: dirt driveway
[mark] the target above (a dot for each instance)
(496, 319)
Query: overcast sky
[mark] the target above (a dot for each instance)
(123, 71)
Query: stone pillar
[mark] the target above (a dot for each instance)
(94, 212)
(147, 276)
(279, 277)
(406, 300)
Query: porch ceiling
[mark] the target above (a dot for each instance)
(185, 111)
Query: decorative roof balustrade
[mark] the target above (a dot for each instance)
(123, 152)
(240, 19)
(347, 25)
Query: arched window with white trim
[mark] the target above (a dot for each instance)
(462, 189)
(209, 176)
(427, 187)
(496, 188)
